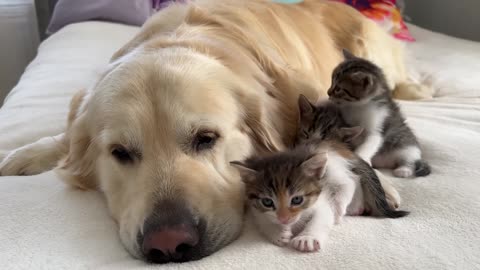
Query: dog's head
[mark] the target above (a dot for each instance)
(156, 135)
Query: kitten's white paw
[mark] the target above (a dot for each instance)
(338, 219)
(286, 236)
(356, 212)
(339, 213)
(306, 243)
(403, 172)
(282, 238)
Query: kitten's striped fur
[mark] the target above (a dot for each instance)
(360, 90)
(328, 125)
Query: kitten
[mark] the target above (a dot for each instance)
(325, 123)
(360, 90)
(289, 194)
(296, 196)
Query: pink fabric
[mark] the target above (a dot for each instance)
(385, 13)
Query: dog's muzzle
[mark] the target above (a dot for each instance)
(172, 233)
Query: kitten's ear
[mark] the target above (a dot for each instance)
(349, 134)
(348, 55)
(247, 174)
(364, 79)
(315, 166)
(305, 107)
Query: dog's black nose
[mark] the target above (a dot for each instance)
(171, 234)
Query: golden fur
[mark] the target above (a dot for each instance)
(235, 67)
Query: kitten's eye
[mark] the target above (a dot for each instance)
(268, 203)
(204, 140)
(297, 200)
(121, 154)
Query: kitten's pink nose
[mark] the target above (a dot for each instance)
(284, 219)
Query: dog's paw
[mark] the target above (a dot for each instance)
(18, 162)
(413, 91)
(28, 160)
(306, 243)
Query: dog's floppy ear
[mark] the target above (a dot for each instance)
(77, 168)
(256, 125)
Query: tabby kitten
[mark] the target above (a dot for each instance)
(324, 122)
(290, 194)
(360, 90)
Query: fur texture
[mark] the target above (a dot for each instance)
(282, 190)
(230, 71)
(328, 125)
(361, 91)
(318, 174)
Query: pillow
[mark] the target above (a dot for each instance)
(386, 13)
(132, 12)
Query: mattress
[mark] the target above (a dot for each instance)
(47, 225)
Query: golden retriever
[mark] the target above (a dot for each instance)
(202, 84)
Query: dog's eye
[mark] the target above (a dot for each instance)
(204, 140)
(121, 154)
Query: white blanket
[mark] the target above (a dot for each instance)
(45, 225)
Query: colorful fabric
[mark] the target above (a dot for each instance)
(135, 12)
(385, 13)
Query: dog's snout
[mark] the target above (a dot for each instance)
(171, 234)
(170, 243)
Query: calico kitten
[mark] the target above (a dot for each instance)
(325, 122)
(290, 194)
(360, 90)
(296, 196)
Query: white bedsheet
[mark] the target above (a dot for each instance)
(45, 225)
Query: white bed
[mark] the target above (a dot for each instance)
(45, 225)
